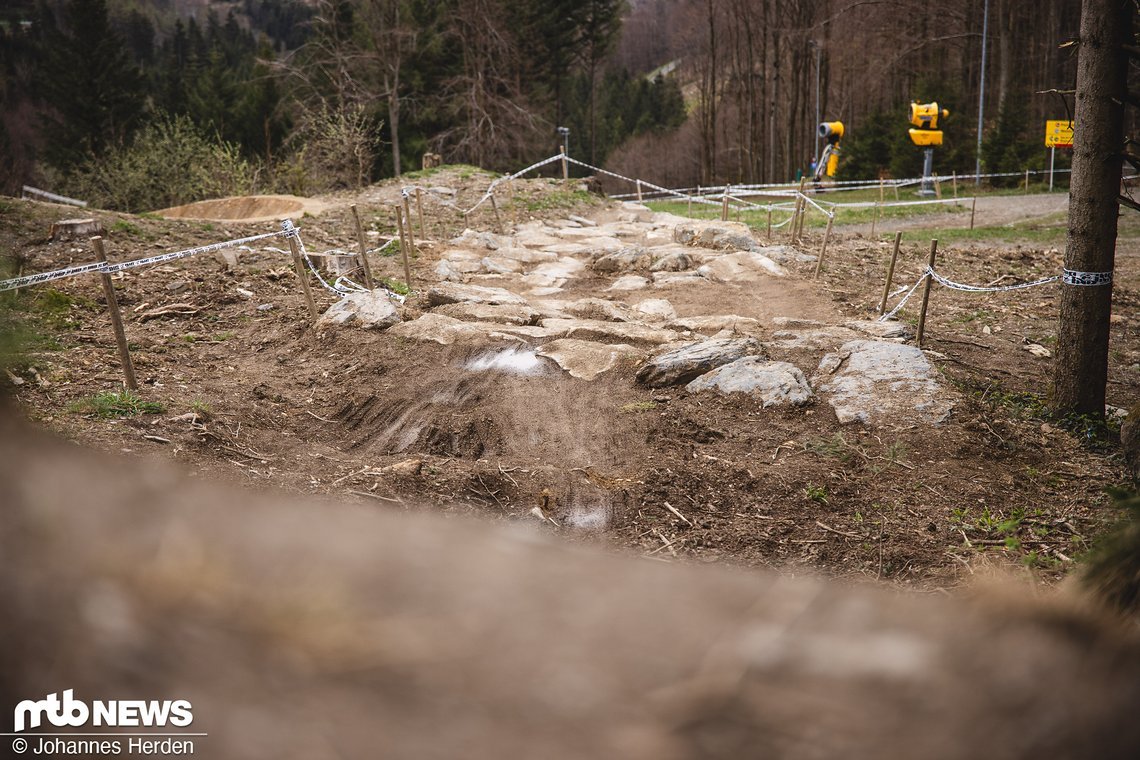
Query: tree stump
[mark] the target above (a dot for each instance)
(68, 229)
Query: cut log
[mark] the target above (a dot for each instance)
(67, 229)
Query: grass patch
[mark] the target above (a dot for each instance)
(558, 199)
(116, 404)
(127, 228)
(397, 287)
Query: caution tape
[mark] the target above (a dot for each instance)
(106, 267)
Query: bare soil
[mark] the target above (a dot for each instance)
(251, 393)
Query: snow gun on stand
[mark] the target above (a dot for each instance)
(925, 134)
(828, 163)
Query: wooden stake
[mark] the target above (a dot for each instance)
(823, 250)
(303, 277)
(724, 205)
(769, 221)
(954, 179)
(896, 193)
(690, 212)
(511, 201)
(368, 283)
(973, 209)
(404, 246)
(565, 164)
(890, 273)
(937, 188)
(1027, 182)
(408, 225)
(420, 213)
(116, 320)
(639, 191)
(926, 294)
(498, 218)
(880, 189)
(875, 220)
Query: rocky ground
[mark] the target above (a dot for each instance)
(685, 390)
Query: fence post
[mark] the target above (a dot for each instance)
(116, 320)
(363, 249)
(826, 237)
(303, 276)
(724, 205)
(408, 223)
(565, 164)
(890, 273)
(926, 294)
(973, 210)
(404, 245)
(420, 213)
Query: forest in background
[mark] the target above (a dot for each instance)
(140, 104)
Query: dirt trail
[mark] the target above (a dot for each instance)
(992, 211)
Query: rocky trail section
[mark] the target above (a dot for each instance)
(550, 287)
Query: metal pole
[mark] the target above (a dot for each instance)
(982, 92)
(1052, 160)
(818, 112)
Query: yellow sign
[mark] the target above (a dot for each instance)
(1058, 134)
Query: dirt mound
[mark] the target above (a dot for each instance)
(247, 208)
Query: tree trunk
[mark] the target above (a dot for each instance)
(1081, 370)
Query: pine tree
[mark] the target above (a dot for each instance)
(94, 91)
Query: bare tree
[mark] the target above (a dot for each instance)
(1081, 370)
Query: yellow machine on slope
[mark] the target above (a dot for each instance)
(828, 163)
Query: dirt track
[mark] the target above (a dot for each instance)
(254, 395)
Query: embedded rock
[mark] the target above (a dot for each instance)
(601, 309)
(877, 382)
(771, 383)
(585, 359)
(371, 310)
(439, 329)
(625, 259)
(510, 314)
(745, 266)
(687, 363)
(592, 329)
(445, 293)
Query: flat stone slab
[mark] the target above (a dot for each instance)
(744, 266)
(599, 308)
(438, 328)
(672, 262)
(687, 363)
(585, 359)
(525, 255)
(770, 383)
(508, 314)
(564, 267)
(785, 254)
(623, 260)
(825, 338)
(499, 265)
(629, 282)
(655, 310)
(877, 382)
(619, 332)
(536, 238)
(714, 323)
(666, 279)
(371, 310)
(876, 329)
(445, 293)
(714, 234)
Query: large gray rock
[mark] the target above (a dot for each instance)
(632, 257)
(629, 282)
(445, 293)
(685, 364)
(714, 234)
(371, 310)
(745, 266)
(877, 329)
(585, 359)
(599, 308)
(655, 310)
(509, 314)
(676, 261)
(499, 265)
(771, 383)
(877, 382)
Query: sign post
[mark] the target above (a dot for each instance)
(1058, 134)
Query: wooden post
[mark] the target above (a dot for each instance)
(926, 294)
(690, 211)
(404, 245)
(408, 225)
(795, 220)
(880, 189)
(724, 205)
(565, 164)
(769, 222)
(639, 191)
(954, 179)
(498, 218)
(420, 213)
(368, 282)
(511, 201)
(937, 188)
(1027, 181)
(896, 193)
(875, 219)
(303, 276)
(890, 273)
(116, 320)
(823, 250)
(973, 210)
